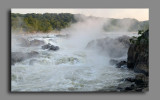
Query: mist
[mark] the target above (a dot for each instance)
(88, 33)
(80, 64)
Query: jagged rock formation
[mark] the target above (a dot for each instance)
(138, 60)
(108, 46)
(138, 54)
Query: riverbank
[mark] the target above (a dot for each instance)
(138, 61)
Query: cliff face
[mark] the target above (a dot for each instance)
(138, 54)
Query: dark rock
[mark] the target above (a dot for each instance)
(50, 47)
(120, 64)
(46, 46)
(132, 55)
(119, 88)
(54, 48)
(140, 80)
(142, 68)
(146, 34)
(128, 88)
(139, 83)
(138, 55)
(130, 79)
(138, 59)
(132, 85)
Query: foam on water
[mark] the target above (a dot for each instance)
(72, 68)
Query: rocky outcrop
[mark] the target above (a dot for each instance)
(108, 46)
(137, 84)
(138, 60)
(50, 47)
(138, 55)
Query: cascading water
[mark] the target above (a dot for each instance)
(71, 68)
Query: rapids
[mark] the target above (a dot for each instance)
(71, 68)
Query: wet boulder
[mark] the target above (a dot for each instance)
(120, 64)
(130, 79)
(141, 68)
(50, 47)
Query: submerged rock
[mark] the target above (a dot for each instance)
(139, 83)
(35, 42)
(20, 56)
(17, 57)
(32, 61)
(130, 79)
(50, 47)
(118, 63)
(111, 47)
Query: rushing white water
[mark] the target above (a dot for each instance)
(72, 68)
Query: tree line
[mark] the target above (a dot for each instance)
(45, 23)
(127, 24)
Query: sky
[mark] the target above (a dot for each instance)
(138, 13)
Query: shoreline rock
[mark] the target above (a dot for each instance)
(138, 60)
